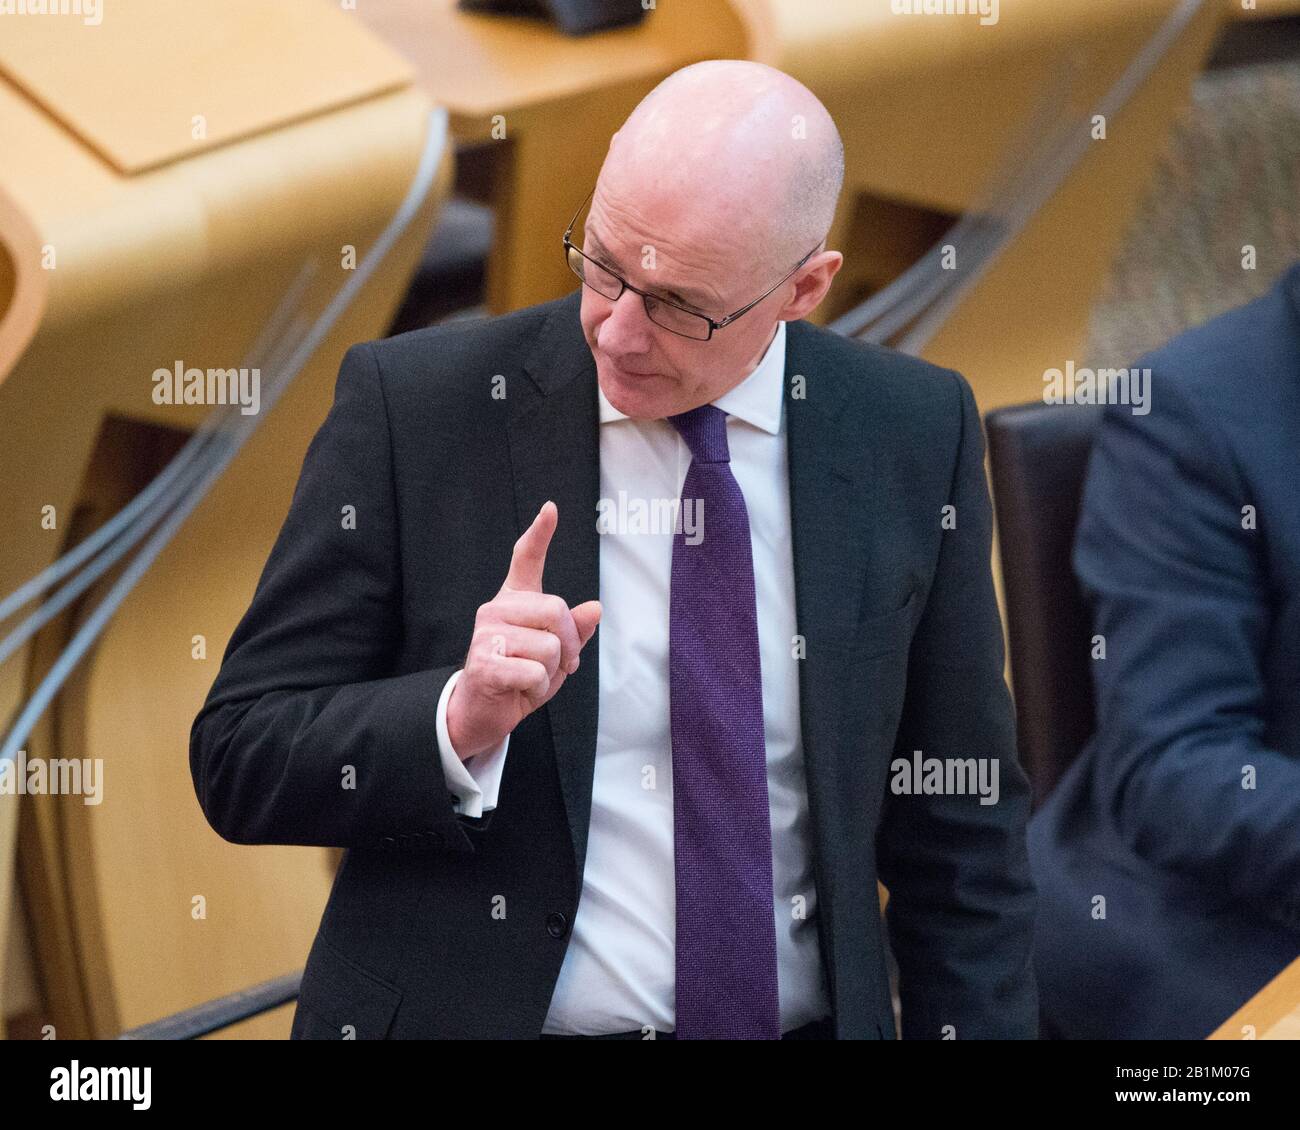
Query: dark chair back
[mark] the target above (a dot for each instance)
(1038, 456)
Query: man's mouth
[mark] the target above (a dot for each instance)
(632, 372)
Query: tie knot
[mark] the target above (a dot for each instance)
(705, 431)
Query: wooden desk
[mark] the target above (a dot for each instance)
(551, 103)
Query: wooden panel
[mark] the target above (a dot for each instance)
(22, 284)
(130, 85)
(478, 65)
(559, 100)
(184, 260)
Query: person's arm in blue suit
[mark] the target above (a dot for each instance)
(961, 901)
(1179, 587)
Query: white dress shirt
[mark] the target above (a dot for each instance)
(619, 970)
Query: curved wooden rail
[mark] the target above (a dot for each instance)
(22, 284)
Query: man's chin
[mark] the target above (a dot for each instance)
(640, 397)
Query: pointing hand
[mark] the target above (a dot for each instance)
(525, 644)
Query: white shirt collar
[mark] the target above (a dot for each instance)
(757, 399)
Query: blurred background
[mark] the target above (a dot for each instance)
(239, 184)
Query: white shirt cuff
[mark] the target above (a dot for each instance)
(474, 783)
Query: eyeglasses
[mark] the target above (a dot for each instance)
(665, 314)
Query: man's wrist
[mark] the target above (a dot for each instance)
(459, 742)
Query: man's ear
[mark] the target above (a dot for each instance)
(811, 285)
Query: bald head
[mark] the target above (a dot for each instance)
(713, 201)
(730, 145)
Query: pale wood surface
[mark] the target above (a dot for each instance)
(130, 85)
(182, 261)
(22, 283)
(551, 103)
(479, 65)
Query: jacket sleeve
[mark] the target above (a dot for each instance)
(307, 736)
(1176, 573)
(961, 901)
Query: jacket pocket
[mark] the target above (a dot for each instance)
(339, 1000)
(885, 633)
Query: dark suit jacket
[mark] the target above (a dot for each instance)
(352, 634)
(1201, 679)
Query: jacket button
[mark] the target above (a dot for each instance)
(556, 924)
(388, 843)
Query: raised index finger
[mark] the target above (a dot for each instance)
(529, 556)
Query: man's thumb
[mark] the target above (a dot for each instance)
(585, 618)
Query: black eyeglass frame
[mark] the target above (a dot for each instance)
(713, 324)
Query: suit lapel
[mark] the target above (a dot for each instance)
(555, 453)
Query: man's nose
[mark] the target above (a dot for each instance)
(627, 329)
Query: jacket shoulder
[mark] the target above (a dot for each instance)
(1244, 347)
(876, 368)
(446, 351)
(912, 400)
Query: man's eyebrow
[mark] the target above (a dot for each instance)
(668, 292)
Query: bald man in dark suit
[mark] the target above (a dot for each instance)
(671, 826)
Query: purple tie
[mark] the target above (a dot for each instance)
(722, 833)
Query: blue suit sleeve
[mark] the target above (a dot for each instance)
(1178, 584)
